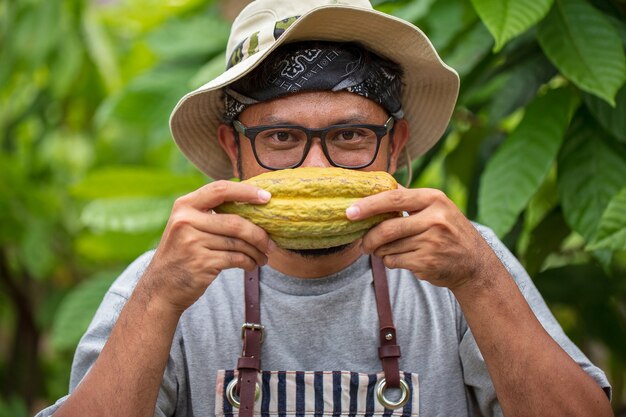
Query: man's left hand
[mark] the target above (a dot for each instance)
(435, 241)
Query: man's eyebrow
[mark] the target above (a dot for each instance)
(350, 119)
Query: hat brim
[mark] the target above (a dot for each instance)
(429, 96)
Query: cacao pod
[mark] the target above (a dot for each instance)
(308, 205)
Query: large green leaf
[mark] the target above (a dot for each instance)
(591, 172)
(506, 19)
(36, 248)
(470, 50)
(414, 10)
(179, 38)
(620, 26)
(521, 86)
(132, 214)
(140, 16)
(115, 246)
(34, 32)
(445, 20)
(134, 182)
(100, 48)
(147, 101)
(613, 119)
(585, 47)
(523, 161)
(612, 229)
(77, 309)
(545, 239)
(66, 65)
(463, 161)
(208, 71)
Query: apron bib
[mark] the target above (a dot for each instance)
(249, 391)
(309, 393)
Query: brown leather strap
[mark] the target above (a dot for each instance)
(389, 351)
(249, 363)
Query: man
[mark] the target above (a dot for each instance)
(472, 336)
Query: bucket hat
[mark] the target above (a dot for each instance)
(430, 86)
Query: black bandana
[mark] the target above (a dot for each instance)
(322, 67)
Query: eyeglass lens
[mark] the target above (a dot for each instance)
(284, 147)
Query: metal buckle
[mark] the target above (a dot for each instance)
(253, 326)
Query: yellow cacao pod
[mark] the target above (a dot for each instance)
(308, 205)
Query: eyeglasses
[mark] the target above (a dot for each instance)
(286, 146)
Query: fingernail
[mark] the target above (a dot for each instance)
(352, 212)
(264, 195)
(271, 246)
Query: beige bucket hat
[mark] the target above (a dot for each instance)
(430, 86)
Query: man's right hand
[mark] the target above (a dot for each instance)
(198, 244)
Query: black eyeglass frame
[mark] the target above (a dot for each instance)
(251, 133)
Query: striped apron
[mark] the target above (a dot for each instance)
(249, 391)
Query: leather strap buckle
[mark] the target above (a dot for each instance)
(254, 327)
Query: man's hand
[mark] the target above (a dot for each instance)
(531, 373)
(198, 243)
(436, 241)
(196, 246)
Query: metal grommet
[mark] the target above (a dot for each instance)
(231, 393)
(380, 394)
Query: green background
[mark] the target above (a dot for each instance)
(536, 150)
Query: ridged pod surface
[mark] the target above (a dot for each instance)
(308, 205)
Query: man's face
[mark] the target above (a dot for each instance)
(313, 110)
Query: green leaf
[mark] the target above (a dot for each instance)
(463, 161)
(546, 238)
(178, 38)
(35, 30)
(612, 229)
(414, 10)
(620, 27)
(148, 98)
(523, 161)
(506, 19)
(613, 119)
(66, 65)
(134, 181)
(129, 215)
(115, 246)
(590, 173)
(77, 309)
(37, 247)
(521, 86)
(100, 48)
(208, 71)
(584, 45)
(470, 50)
(445, 20)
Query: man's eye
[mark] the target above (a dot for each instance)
(282, 136)
(347, 135)
(351, 135)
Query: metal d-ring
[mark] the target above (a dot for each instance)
(380, 394)
(231, 393)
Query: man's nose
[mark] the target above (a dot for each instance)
(316, 157)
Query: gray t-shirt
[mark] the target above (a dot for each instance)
(325, 324)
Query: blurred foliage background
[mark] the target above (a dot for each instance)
(88, 172)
